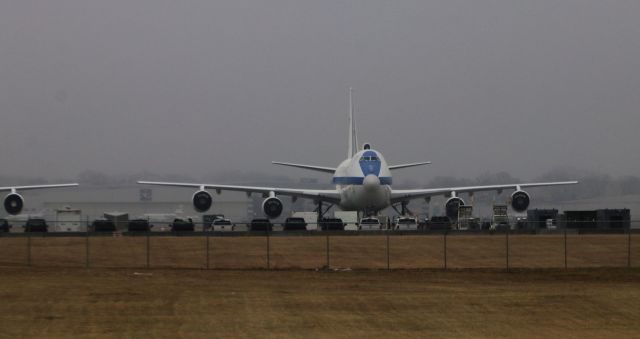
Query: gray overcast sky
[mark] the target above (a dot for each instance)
(196, 87)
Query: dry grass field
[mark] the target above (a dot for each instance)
(100, 302)
(357, 297)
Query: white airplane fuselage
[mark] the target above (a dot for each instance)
(364, 182)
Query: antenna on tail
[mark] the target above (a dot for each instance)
(353, 132)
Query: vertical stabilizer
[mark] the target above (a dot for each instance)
(353, 132)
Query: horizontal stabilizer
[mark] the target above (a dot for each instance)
(309, 167)
(409, 165)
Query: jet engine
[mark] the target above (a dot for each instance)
(520, 201)
(13, 203)
(272, 207)
(451, 207)
(202, 201)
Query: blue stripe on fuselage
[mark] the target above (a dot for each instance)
(358, 180)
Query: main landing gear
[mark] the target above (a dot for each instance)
(322, 212)
(403, 208)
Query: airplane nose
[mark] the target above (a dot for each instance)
(371, 182)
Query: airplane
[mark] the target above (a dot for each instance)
(14, 202)
(363, 183)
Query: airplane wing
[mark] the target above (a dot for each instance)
(394, 167)
(308, 167)
(332, 196)
(403, 195)
(33, 187)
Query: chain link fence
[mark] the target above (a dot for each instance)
(339, 250)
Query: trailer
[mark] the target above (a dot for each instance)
(69, 220)
(500, 219)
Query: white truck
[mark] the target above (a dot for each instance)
(371, 224)
(222, 225)
(406, 223)
(349, 218)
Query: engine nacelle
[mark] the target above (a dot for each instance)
(272, 207)
(13, 203)
(202, 201)
(520, 201)
(451, 207)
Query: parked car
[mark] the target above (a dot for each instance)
(370, 224)
(261, 224)
(502, 226)
(439, 223)
(139, 225)
(406, 224)
(207, 220)
(332, 224)
(221, 225)
(103, 225)
(295, 224)
(180, 225)
(36, 225)
(4, 225)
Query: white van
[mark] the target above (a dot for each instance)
(406, 224)
(221, 225)
(370, 224)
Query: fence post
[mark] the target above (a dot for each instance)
(629, 247)
(388, 265)
(148, 250)
(507, 247)
(29, 249)
(565, 249)
(268, 252)
(207, 251)
(86, 248)
(328, 258)
(445, 250)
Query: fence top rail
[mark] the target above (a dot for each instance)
(85, 221)
(317, 233)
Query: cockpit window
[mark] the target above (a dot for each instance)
(368, 159)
